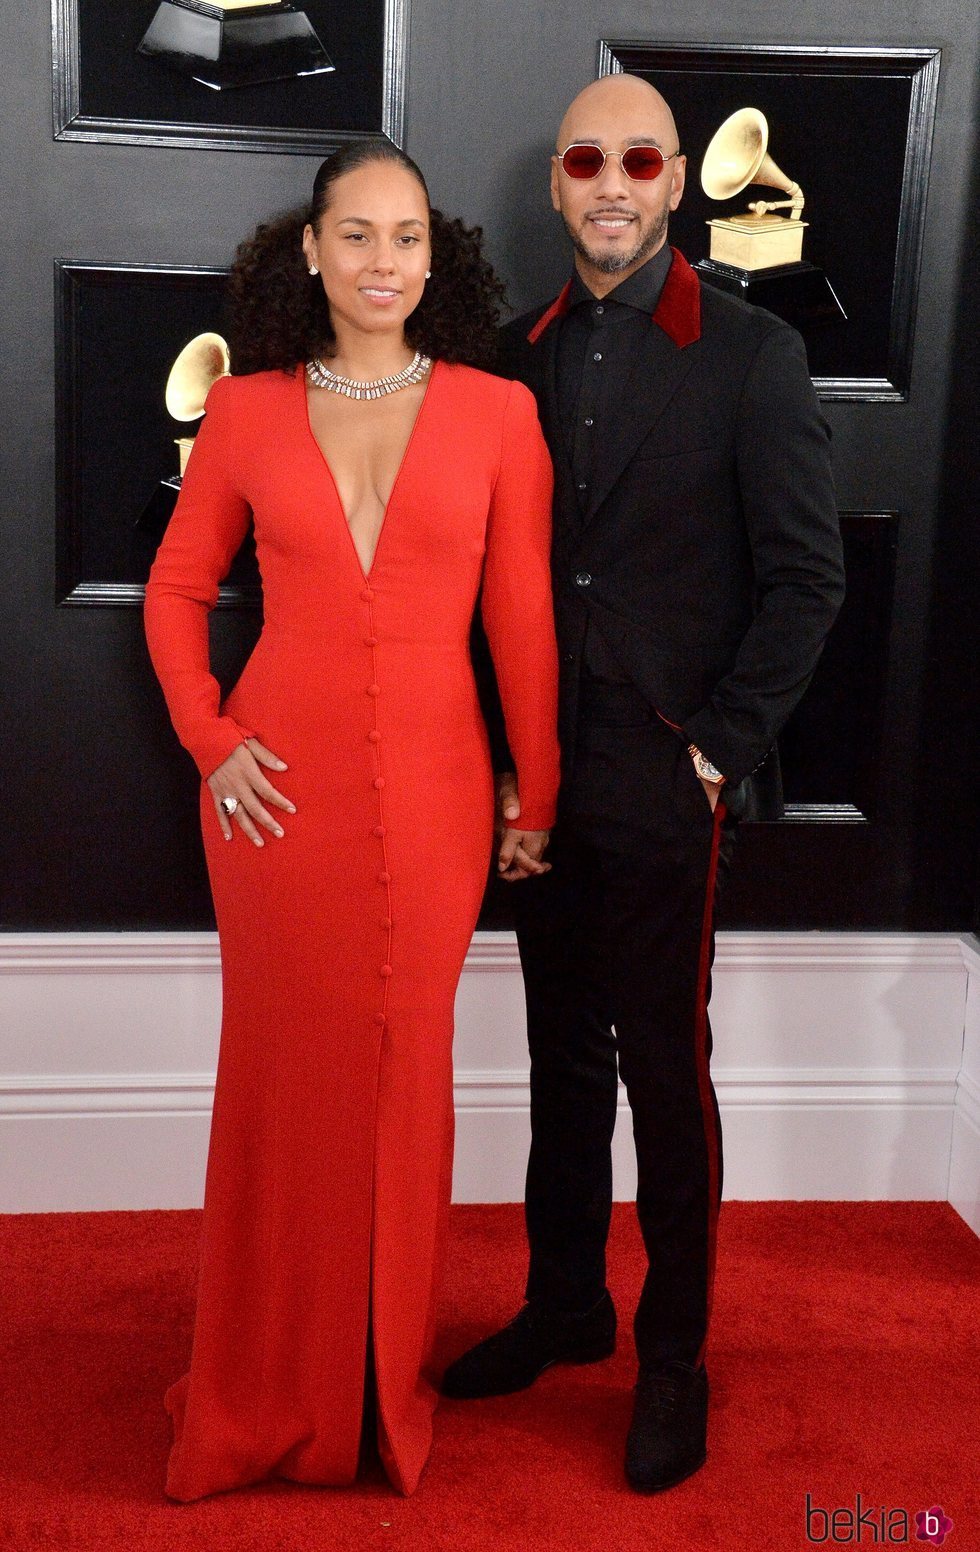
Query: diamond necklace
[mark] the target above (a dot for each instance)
(352, 388)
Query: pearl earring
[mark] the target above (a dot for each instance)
(314, 270)
(428, 274)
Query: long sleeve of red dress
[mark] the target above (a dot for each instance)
(517, 606)
(208, 525)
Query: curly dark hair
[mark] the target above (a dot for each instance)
(279, 313)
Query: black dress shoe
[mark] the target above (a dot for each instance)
(667, 1440)
(539, 1336)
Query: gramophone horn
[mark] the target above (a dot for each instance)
(737, 156)
(202, 361)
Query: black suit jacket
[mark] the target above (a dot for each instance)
(709, 557)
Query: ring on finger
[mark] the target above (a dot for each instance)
(229, 804)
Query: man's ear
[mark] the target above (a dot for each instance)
(677, 181)
(555, 164)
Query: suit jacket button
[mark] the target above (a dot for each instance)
(582, 578)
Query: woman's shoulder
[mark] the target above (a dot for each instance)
(247, 401)
(488, 388)
(248, 387)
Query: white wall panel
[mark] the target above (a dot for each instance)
(847, 1066)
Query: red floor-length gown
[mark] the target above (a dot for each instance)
(329, 1165)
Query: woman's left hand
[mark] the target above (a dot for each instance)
(521, 852)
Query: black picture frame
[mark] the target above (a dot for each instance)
(870, 112)
(119, 327)
(104, 90)
(830, 746)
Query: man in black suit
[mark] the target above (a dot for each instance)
(697, 571)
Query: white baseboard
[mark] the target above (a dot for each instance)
(847, 1066)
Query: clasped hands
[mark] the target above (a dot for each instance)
(240, 776)
(519, 851)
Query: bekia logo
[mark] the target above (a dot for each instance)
(932, 1525)
(875, 1527)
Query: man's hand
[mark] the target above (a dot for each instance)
(520, 851)
(713, 790)
(508, 803)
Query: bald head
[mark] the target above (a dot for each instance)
(623, 100)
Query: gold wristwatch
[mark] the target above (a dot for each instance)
(704, 767)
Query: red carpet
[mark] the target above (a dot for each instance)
(843, 1360)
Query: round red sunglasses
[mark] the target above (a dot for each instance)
(642, 163)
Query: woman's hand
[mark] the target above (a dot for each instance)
(520, 850)
(240, 776)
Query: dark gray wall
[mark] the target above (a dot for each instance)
(88, 773)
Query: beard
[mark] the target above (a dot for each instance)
(614, 263)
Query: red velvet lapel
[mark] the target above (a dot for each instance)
(558, 309)
(678, 312)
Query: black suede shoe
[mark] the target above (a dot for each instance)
(667, 1440)
(539, 1336)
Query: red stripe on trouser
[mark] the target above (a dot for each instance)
(704, 1080)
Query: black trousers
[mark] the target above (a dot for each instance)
(616, 946)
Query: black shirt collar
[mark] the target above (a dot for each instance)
(640, 290)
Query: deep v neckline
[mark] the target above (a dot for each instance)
(366, 575)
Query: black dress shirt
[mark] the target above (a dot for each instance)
(596, 349)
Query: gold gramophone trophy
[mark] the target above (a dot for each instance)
(758, 254)
(225, 43)
(202, 361)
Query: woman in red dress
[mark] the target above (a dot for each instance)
(346, 804)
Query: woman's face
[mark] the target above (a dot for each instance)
(372, 249)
